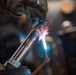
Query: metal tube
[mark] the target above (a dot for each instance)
(23, 50)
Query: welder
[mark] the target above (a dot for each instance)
(34, 9)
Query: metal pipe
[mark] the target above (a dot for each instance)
(23, 50)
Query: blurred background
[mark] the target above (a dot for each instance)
(61, 41)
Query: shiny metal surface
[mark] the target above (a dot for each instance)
(23, 50)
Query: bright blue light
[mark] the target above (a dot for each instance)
(44, 42)
(22, 37)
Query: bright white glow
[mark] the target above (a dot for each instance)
(38, 1)
(44, 42)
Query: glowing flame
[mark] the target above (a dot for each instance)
(44, 31)
(44, 42)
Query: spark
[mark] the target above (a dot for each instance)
(44, 31)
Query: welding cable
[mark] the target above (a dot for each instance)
(42, 65)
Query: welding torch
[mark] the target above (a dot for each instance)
(33, 36)
(24, 48)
